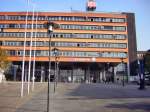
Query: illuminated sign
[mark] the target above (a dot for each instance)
(91, 5)
(83, 59)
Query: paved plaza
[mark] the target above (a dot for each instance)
(71, 97)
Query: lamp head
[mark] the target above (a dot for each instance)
(56, 51)
(51, 25)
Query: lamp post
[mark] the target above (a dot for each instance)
(56, 54)
(57, 68)
(57, 62)
(108, 77)
(50, 26)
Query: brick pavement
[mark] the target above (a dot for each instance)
(91, 98)
(10, 99)
(76, 98)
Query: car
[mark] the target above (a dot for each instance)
(136, 79)
(147, 79)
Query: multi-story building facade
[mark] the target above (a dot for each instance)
(91, 45)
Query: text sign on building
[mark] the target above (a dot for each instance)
(83, 59)
(91, 5)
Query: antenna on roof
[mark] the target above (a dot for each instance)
(71, 9)
(91, 5)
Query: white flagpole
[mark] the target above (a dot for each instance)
(23, 61)
(29, 69)
(33, 74)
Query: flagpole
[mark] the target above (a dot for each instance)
(23, 61)
(33, 77)
(29, 69)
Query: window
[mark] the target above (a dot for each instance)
(72, 53)
(108, 27)
(27, 43)
(119, 28)
(65, 18)
(65, 35)
(12, 52)
(61, 36)
(2, 17)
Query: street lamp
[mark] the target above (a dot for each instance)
(50, 26)
(57, 68)
(56, 54)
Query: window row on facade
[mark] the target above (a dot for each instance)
(66, 35)
(29, 26)
(67, 26)
(65, 44)
(91, 27)
(66, 18)
(69, 53)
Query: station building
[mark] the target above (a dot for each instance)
(92, 46)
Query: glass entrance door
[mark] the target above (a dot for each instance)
(78, 75)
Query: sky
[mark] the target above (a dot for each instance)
(141, 8)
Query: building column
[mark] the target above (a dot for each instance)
(72, 73)
(101, 76)
(88, 75)
(128, 71)
(15, 71)
(85, 75)
(104, 75)
(42, 74)
(58, 67)
(26, 73)
(114, 72)
(112, 75)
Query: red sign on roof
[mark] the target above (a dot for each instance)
(91, 4)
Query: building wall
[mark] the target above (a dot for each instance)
(87, 19)
(82, 36)
(132, 42)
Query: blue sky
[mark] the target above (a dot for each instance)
(141, 8)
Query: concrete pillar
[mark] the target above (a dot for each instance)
(104, 75)
(85, 75)
(128, 71)
(42, 74)
(115, 75)
(88, 75)
(101, 76)
(15, 71)
(26, 73)
(72, 74)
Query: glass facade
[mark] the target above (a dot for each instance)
(67, 44)
(67, 26)
(64, 35)
(92, 27)
(67, 18)
(70, 53)
(88, 43)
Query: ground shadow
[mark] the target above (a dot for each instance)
(111, 91)
(132, 106)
